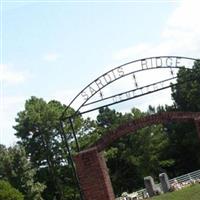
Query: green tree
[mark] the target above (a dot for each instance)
(7, 192)
(17, 169)
(2, 158)
(38, 127)
(184, 143)
(186, 94)
(134, 156)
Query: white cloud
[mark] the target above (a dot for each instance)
(132, 51)
(50, 57)
(179, 37)
(186, 15)
(10, 106)
(65, 96)
(9, 75)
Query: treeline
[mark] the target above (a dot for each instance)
(39, 166)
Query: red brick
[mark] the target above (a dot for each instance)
(93, 175)
(91, 166)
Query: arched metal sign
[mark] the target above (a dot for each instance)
(120, 84)
(111, 87)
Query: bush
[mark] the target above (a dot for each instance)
(7, 192)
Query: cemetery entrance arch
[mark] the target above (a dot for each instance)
(90, 163)
(95, 96)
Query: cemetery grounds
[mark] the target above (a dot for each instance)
(188, 193)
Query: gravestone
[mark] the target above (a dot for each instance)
(164, 182)
(149, 185)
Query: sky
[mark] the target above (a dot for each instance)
(53, 49)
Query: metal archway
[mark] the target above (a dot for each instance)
(91, 97)
(84, 97)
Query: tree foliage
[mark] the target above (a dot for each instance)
(186, 94)
(17, 169)
(184, 142)
(38, 128)
(137, 155)
(7, 192)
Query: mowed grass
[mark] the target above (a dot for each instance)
(188, 193)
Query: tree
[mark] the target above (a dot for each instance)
(7, 192)
(2, 158)
(17, 169)
(184, 143)
(38, 127)
(186, 94)
(22, 174)
(134, 156)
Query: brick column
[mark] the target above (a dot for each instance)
(93, 175)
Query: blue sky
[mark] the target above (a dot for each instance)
(53, 50)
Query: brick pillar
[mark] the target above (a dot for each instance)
(197, 123)
(93, 175)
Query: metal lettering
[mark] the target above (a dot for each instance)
(120, 71)
(97, 86)
(144, 64)
(113, 72)
(115, 99)
(107, 75)
(151, 63)
(158, 62)
(128, 95)
(147, 88)
(99, 83)
(169, 62)
(178, 62)
(155, 87)
(120, 97)
(92, 90)
(84, 95)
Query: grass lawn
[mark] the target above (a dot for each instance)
(189, 193)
